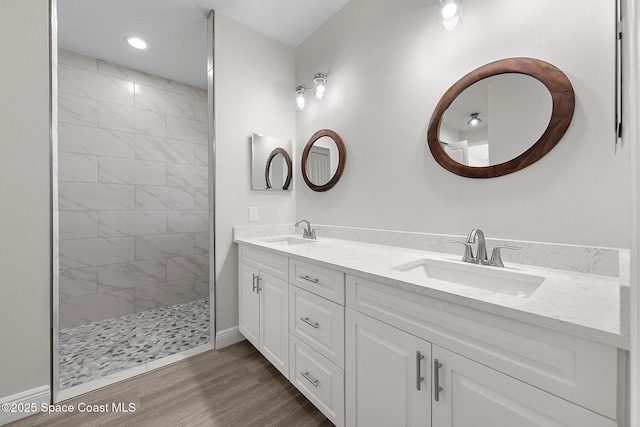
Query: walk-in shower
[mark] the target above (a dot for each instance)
(133, 204)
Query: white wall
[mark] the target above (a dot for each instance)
(25, 212)
(254, 78)
(388, 63)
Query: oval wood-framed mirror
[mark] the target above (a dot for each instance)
(267, 168)
(335, 155)
(562, 107)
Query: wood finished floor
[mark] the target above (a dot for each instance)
(234, 386)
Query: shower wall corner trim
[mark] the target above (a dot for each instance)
(212, 172)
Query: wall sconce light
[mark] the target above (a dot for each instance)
(301, 95)
(320, 84)
(474, 120)
(320, 80)
(450, 14)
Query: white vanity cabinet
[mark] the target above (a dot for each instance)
(392, 377)
(375, 351)
(478, 370)
(395, 378)
(264, 304)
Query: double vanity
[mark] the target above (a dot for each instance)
(380, 335)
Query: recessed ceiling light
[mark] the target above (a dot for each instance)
(136, 42)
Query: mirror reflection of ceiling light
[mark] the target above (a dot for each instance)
(450, 14)
(474, 120)
(136, 42)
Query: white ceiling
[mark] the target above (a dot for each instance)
(176, 30)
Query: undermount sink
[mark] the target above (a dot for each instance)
(289, 241)
(521, 285)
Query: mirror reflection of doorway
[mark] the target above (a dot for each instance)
(458, 151)
(319, 165)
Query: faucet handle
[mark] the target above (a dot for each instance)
(468, 250)
(496, 257)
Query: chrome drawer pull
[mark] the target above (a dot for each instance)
(308, 377)
(436, 380)
(255, 283)
(309, 322)
(419, 377)
(309, 279)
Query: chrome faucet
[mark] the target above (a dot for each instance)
(481, 250)
(308, 232)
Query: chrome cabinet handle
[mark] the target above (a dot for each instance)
(436, 380)
(309, 322)
(309, 279)
(255, 284)
(309, 378)
(419, 378)
(258, 287)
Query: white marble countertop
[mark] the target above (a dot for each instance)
(584, 305)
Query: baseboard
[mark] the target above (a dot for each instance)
(23, 404)
(228, 337)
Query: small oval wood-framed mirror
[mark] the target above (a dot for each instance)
(562, 107)
(289, 167)
(323, 160)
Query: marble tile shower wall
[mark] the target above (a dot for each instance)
(133, 190)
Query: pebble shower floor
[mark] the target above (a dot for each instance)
(95, 350)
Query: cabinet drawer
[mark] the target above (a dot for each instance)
(320, 280)
(576, 369)
(318, 322)
(268, 262)
(318, 379)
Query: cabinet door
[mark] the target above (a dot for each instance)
(383, 371)
(274, 321)
(474, 395)
(249, 304)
